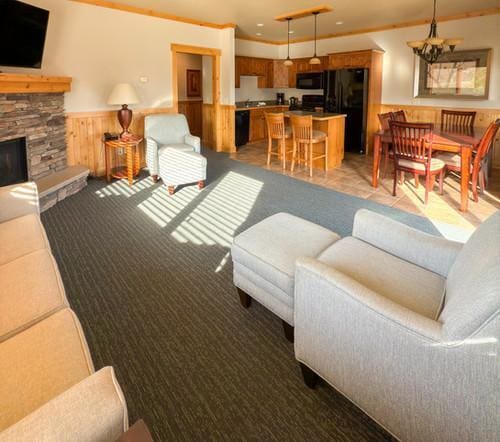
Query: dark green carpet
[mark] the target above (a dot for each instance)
(150, 278)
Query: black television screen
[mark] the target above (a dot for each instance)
(22, 34)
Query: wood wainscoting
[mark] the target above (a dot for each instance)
(431, 114)
(84, 132)
(192, 109)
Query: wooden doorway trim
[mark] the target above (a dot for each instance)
(216, 55)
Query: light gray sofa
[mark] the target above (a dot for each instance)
(49, 389)
(406, 325)
(167, 130)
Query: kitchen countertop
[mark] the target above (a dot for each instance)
(252, 107)
(318, 116)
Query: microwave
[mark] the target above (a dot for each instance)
(310, 80)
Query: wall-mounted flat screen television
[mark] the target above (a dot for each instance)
(22, 34)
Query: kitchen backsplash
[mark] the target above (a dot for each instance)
(248, 90)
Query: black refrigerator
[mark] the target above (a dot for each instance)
(346, 92)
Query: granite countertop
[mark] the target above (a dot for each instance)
(242, 105)
(320, 116)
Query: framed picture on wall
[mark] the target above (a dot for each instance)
(459, 74)
(193, 82)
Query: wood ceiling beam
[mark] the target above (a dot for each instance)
(301, 13)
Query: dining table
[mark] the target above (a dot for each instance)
(462, 141)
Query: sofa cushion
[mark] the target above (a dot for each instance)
(473, 284)
(21, 236)
(40, 363)
(31, 289)
(92, 410)
(178, 146)
(407, 284)
(270, 248)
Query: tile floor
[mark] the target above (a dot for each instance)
(354, 178)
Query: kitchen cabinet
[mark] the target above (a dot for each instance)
(258, 129)
(279, 74)
(273, 73)
(254, 67)
(347, 60)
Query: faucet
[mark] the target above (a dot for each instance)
(247, 102)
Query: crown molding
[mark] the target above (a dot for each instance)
(406, 24)
(152, 13)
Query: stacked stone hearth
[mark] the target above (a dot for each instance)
(39, 117)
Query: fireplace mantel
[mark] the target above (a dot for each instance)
(33, 84)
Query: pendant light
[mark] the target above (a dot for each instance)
(315, 59)
(432, 47)
(288, 61)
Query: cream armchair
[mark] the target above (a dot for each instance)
(166, 130)
(406, 325)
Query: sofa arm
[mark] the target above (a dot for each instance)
(18, 200)
(315, 280)
(193, 141)
(428, 251)
(92, 410)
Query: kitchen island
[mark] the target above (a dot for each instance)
(334, 126)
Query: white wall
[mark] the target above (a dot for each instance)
(185, 62)
(100, 47)
(399, 61)
(207, 79)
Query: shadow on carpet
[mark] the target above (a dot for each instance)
(150, 277)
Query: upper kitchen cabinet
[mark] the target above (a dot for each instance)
(254, 67)
(279, 74)
(356, 59)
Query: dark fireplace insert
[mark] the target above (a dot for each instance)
(13, 162)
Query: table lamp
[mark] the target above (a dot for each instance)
(124, 93)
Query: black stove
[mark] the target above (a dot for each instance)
(310, 102)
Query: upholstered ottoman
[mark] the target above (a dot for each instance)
(264, 261)
(182, 167)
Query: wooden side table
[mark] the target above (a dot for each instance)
(132, 166)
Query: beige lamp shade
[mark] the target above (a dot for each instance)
(123, 93)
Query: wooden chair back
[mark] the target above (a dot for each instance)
(302, 127)
(486, 142)
(398, 116)
(275, 125)
(384, 120)
(408, 141)
(457, 119)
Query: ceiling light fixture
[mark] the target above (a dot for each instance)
(258, 34)
(433, 46)
(260, 25)
(339, 22)
(288, 61)
(315, 59)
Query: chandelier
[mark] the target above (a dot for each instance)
(433, 46)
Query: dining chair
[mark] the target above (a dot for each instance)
(304, 138)
(277, 130)
(412, 144)
(478, 164)
(457, 119)
(399, 116)
(386, 147)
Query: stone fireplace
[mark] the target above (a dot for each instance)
(33, 136)
(39, 118)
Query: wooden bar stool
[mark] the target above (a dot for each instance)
(304, 137)
(276, 130)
